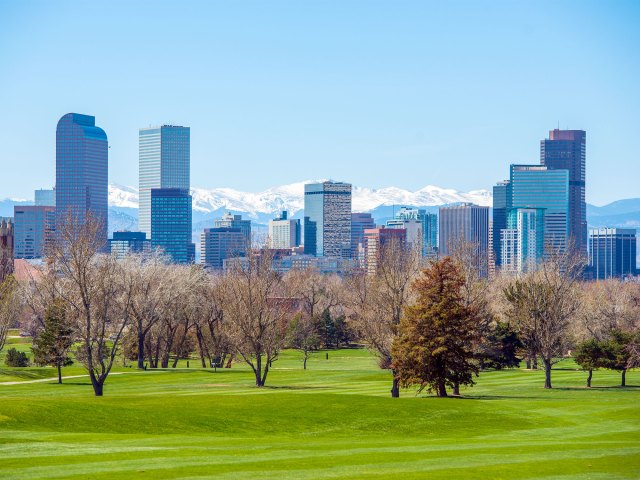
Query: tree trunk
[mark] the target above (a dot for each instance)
(304, 363)
(528, 360)
(201, 347)
(547, 372)
(140, 349)
(442, 389)
(456, 389)
(59, 366)
(395, 388)
(98, 386)
(535, 362)
(258, 371)
(624, 378)
(589, 378)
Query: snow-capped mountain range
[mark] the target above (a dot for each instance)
(291, 198)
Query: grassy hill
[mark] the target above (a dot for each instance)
(335, 420)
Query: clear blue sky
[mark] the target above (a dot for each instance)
(375, 93)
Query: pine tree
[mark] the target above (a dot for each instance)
(435, 347)
(52, 345)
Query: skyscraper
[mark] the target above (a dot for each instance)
(523, 240)
(466, 223)
(164, 154)
(284, 232)
(171, 223)
(501, 206)
(81, 171)
(327, 219)
(566, 150)
(359, 223)
(535, 186)
(612, 252)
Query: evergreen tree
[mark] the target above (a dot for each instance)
(435, 347)
(500, 347)
(52, 345)
(617, 353)
(590, 355)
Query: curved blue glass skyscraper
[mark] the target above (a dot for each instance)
(81, 170)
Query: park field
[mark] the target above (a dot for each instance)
(334, 420)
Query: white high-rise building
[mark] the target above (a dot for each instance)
(284, 232)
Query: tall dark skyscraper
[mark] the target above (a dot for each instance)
(81, 170)
(566, 149)
(171, 217)
(327, 219)
(466, 223)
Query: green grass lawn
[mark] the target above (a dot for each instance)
(335, 420)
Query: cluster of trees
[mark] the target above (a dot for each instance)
(432, 324)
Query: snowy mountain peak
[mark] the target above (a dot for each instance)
(291, 197)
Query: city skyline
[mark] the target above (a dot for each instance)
(430, 101)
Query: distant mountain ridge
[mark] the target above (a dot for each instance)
(209, 204)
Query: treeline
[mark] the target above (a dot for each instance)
(433, 324)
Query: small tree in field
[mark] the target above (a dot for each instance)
(590, 355)
(52, 345)
(302, 335)
(435, 348)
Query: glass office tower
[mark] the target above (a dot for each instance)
(535, 186)
(566, 150)
(612, 252)
(34, 228)
(429, 226)
(81, 171)
(523, 240)
(164, 154)
(501, 205)
(327, 219)
(171, 223)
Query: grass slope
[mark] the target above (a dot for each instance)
(334, 420)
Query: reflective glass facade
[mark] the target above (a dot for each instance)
(535, 186)
(34, 228)
(327, 219)
(501, 205)
(612, 252)
(523, 240)
(125, 243)
(429, 223)
(359, 223)
(81, 170)
(171, 223)
(164, 154)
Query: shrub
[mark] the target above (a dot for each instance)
(16, 359)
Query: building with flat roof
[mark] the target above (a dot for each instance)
(466, 223)
(34, 230)
(612, 253)
(219, 244)
(284, 232)
(327, 219)
(566, 150)
(171, 220)
(124, 243)
(164, 162)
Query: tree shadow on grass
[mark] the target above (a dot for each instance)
(292, 387)
(599, 387)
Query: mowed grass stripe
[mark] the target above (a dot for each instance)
(334, 420)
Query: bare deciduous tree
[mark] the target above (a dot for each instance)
(377, 301)
(91, 284)
(10, 307)
(255, 312)
(544, 302)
